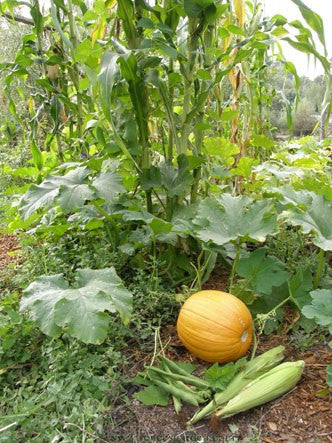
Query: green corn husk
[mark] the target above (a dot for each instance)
(269, 386)
(253, 369)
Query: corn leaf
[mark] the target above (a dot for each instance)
(313, 19)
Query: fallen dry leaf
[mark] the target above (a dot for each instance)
(272, 426)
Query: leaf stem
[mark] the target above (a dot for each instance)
(235, 263)
(255, 344)
(320, 267)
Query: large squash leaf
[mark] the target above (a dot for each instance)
(108, 184)
(231, 218)
(39, 196)
(70, 190)
(176, 180)
(73, 189)
(315, 219)
(53, 304)
(262, 271)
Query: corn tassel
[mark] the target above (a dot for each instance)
(269, 386)
(252, 370)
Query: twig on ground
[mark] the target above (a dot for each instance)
(8, 426)
(183, 432)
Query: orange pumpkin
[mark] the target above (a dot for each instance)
(215, 326)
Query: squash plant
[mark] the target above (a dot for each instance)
(131, 100)
(79, 309)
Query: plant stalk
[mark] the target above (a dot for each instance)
(320, 268)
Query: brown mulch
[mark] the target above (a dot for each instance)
(302, 415)
(8, 245)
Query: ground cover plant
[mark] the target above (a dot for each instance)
(137, 162)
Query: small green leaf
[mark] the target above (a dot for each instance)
(146, 23)
(244, 167)
(261, 140)
(228, 114)
(188, 367)
(329, 375)
(152, 395)
(220, 376)
(320, 308)
(160, 226)
(222, 148)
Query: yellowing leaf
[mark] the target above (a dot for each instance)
(239, 9)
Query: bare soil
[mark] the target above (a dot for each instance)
(8, 248)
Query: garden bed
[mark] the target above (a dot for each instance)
(302, 415)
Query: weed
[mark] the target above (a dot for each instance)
(290, 246)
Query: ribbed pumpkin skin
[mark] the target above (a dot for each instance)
(215, 326)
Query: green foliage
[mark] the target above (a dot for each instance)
(234, 218)
(315, 218)
(71, 191)
(222, 148)
(320, 308)
(152, 395)
(43, 380)
(329, 375)
(140, 154)
(262, 272)
(42, 395)
(220, 376)
(54, 305)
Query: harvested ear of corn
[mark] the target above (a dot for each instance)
(269, 386)
(253, 369)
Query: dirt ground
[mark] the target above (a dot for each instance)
(8, 246)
